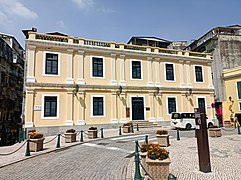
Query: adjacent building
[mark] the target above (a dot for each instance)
(11, 89)
(75, 81)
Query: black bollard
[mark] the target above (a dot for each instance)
(81, 136)
(58, 142)
(146, 139)
(178, 135)
(101, 133)
(137, 127)
(119, 130)
(27, 153)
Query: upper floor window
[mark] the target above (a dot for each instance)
(171, 105)
(198, 74)
(51, 64)
(97, 67)
(169, 72)
(239, 89)
(50, 106)
(136, 69)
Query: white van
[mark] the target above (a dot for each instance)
(186, 120)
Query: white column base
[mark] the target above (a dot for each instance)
(158, 84)
(189, 85)
(122, 83)
(114, 121)
(113, 82)
(81, 81)
(28, 124)
(69, 123)
(182, 84)
(81, 122)
(123, 120)
(159, 119)
(70, 81)
(30, 79)
(150, 84)
(152, 119)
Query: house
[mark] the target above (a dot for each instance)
(76, 81)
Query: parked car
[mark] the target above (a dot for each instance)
(186, 120)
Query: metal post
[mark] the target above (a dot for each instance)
(137, 163)
(146, 139)
(239, 130)
(132, 129)
(81, 136)
(119, 130)
(58, 141)
(102, 133)
(195, 133)
(137, 127)
(27, 153)
(178, 135)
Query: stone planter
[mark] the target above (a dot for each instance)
(92, 134)
(143, 162)
(163, 140)
(158, 169)
(70, 137)
(215, 132)
(36, 144)
(126, 129)
(227, 124)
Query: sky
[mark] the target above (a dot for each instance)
(118, 20)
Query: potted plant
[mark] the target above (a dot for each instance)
(127, 127)
(158, 162)
(227, 124)
(214, 131)
(162, 138)
(70, 136)
(92, 132)
(36, 141)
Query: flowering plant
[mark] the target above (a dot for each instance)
(127, 124)
(32, 131)
(157, 152)
(70, 131)
(93, 128)
(146, 147)
(162, 132)
(35, 135)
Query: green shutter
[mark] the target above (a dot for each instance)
(239, 89)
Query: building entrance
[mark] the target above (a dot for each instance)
(137, 108)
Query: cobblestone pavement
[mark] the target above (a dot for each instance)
(112, 158)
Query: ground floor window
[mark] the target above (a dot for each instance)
(50, 106)
(171, 105)
(201, 104)
(98, 106)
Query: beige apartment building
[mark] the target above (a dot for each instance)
(75, 81)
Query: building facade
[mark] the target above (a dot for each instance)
(75, 81)
(11, 90)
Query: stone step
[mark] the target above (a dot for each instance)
(144, 124)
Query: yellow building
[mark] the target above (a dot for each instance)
(74, 81)
(232, 84)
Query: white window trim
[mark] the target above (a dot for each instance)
(42, 113)
(237, 90)
(167, 103)
(44, 63)
(131, 106)
(239, 106)
(91, 67)
(174, 71)
(195, 78)
(131, 70)
(204, 97)
(92, 110)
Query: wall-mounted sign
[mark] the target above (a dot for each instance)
(37, 108)
(148, 108)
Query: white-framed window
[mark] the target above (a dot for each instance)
(97, 106)
(198, 73)
(51, 63)
(97, 67)
(170, 72)
(239, 89)
(239, 106)
(201, 102)
(136, 69)
(171, 104)
(50, 104)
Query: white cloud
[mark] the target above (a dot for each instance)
(12, 8)
(85, 5)
(61, 24)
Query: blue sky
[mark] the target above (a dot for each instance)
(118, 20)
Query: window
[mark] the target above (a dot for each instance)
(98, 106)
(198, 73)
(51, 64)
(239, 89)
(239, 106)
(169, 72)
(97, 67)
(50, 106)
(136, 69)
(201, 104)
(171, 105)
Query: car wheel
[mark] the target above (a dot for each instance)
(188, 126)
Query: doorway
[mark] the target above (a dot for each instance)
(137, 108)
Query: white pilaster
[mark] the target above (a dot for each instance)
(122, 71)
(81, 68)
(189, 83)
(210, 79)
(150, 81)
(70, 67)
(113, 70)
(181, 73)
(152, 107)
(113, 107)
(158, 83)
(31, 64)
